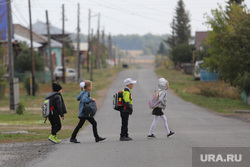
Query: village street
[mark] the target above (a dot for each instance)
(193, 125)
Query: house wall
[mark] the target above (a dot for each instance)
(58, 56)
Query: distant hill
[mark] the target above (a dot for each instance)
(149, 43)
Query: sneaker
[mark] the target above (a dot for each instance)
(99, 139)
(52, 139)
(74, 141)
(129, 138)
(58, 140)
(124, 139)
(170, 134)
(151, 136)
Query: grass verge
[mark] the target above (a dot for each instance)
(32, 120)
(187, 88)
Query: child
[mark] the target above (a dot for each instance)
(157, 112)
(127, 110)
(84, 97)
(58, 109)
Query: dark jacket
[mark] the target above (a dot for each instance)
(58, 103)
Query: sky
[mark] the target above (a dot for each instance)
(116, 16)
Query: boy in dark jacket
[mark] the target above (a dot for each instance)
(57, 108)
(127, 110)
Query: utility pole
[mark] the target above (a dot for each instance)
(119, 57)
(63, 46)
(32, 54)
(49, 43)
(91, 48)
(13, 82)
(97, 65)
(114, 52)
(102, 47)
(88, 41)
(78, 46)
(110, 48)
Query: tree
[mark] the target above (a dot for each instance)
(182, 53)
(23, 60)
(238, 2)
(2, 70)
(229, 43)
(231, 2)
(170, 41)
(182, 26)
(162, 50)
(202, 53)
(180, 34)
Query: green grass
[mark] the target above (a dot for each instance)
(33, 135)
(188, 89)
(32, 120)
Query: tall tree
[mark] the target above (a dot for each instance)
(181, 33)
(182, 26)
(229, 43)
(231, 2)
(162, 50)
(239, 2)
(170, 41)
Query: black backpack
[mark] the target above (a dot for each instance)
(118, 101)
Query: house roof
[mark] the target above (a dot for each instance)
(25, 33)
(27, 40)
(200, 37)
(83, 46)
(41, 28)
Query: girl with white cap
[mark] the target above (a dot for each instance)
(84, 97)
(163, 85)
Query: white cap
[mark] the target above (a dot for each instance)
(82, 84)
(128, 81)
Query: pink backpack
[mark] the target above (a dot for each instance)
(154, 100)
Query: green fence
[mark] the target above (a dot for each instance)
(40, 76)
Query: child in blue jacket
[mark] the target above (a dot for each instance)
(84, 97)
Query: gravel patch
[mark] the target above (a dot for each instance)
(20, 154)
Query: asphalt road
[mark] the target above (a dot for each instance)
(194, 127)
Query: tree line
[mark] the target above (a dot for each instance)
(149, 43)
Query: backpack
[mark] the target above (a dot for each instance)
(89, 109)
(47, 108)
(154, 100)
(118, 102)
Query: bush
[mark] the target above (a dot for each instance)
(182, 53)
(23, 61)
(218, 89)
(2, 82)
(20, 108)
(27, 85)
